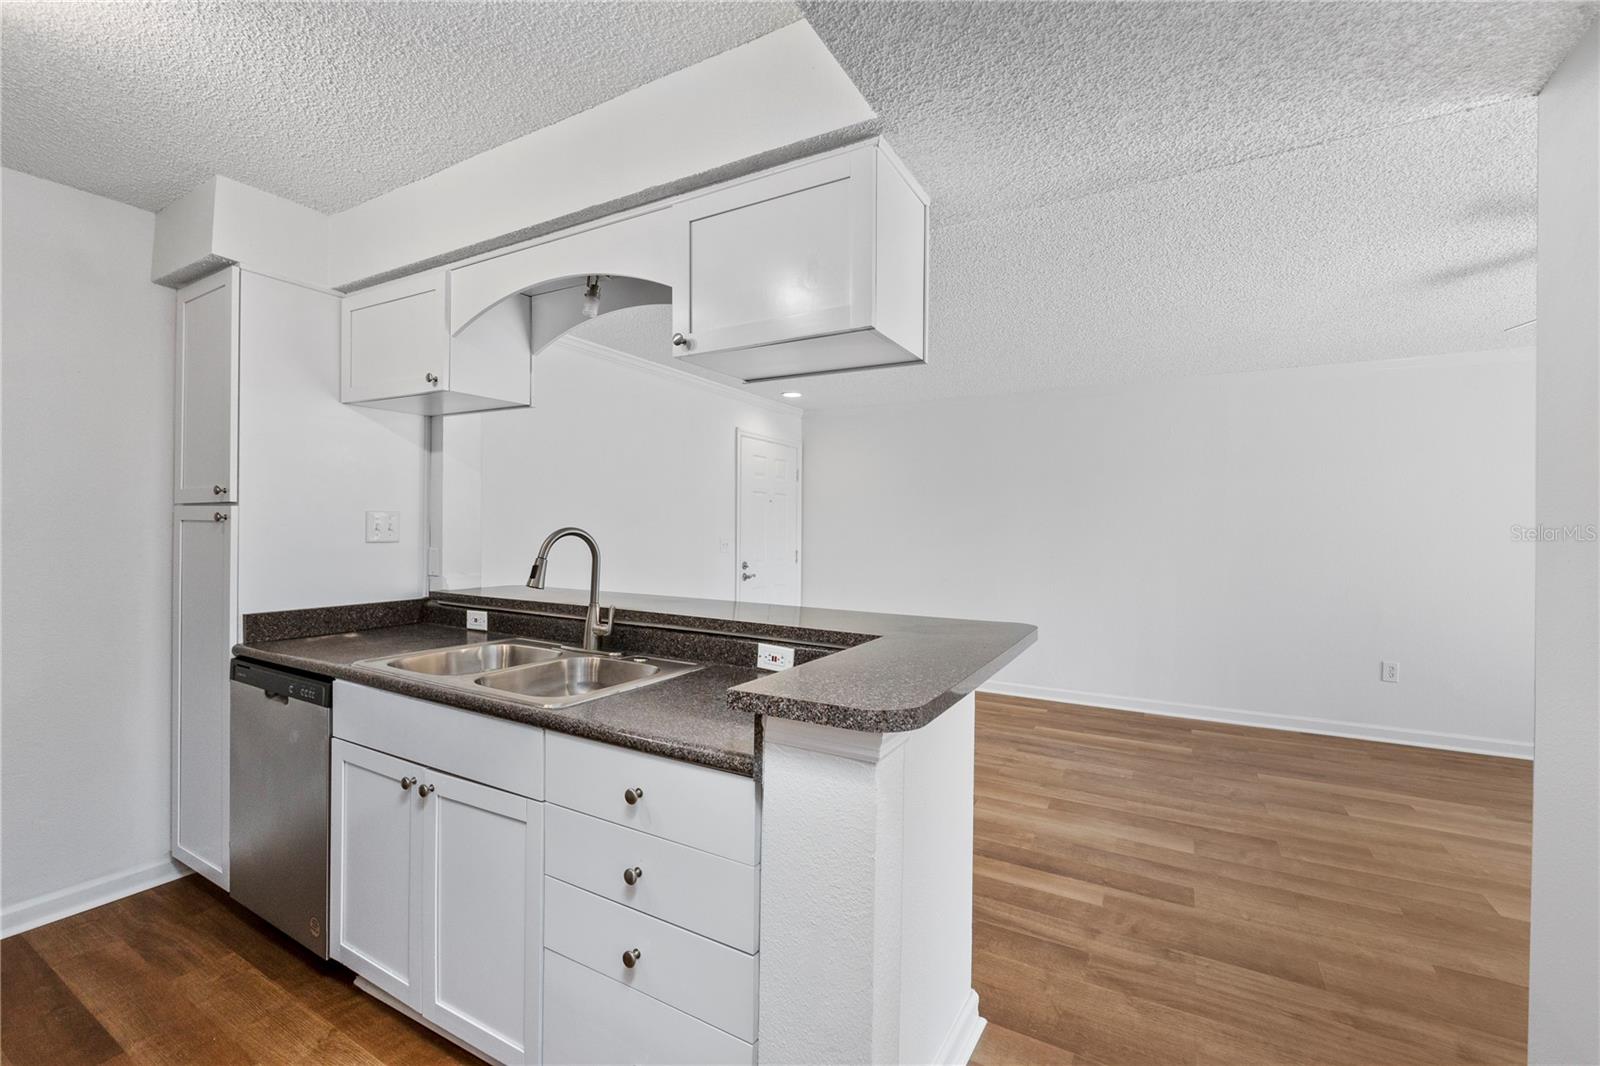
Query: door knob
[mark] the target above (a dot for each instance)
(631, 957)
(219, 516)
(680, 341)
(633, 795)
(747, 575)
(219, 490)
(406, 783)
(632, 875)
(424, 790)
(432, 379)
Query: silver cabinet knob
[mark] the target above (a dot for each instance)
(631, 957)
(432, 379)
(219, 490)
(680, 341)
(747, 575)
(632, 875)
(633, 795)
(219, 516)
(425, 790)
(406, 783)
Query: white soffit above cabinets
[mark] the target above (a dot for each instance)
(326, 104)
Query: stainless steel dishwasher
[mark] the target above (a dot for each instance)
(281, 725)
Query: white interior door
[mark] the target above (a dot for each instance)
(768, 536)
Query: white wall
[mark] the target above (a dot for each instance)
(310, 467)
(641, 456)
(87, 382)
(1242, 547)
(1564, 950)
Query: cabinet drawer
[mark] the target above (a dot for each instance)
(695, 805)
(494, 751)
(711, 981)
(704, 893)
(590, 1018)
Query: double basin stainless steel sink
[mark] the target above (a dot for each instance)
(547, 675)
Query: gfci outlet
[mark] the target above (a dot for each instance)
(478, 620)
(774, 657)
(1389, 672)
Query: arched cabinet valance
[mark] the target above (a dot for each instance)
(814, 267)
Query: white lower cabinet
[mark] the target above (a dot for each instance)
(204, 549)
(527, 931)
(376, 868)
(590, 1018)
(481, 884)
(708, 980)
(436, 897)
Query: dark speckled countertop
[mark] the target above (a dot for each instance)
(686, 718)
(878, 673)
(893, 673)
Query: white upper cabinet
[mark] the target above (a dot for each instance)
(811, 268)
(817, 267)
(205, 453)
(396, 350)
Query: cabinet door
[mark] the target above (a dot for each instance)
(780, 257)
(376, 869)
(482, 883)
(202, 641)
(395, 340)
(207, 369)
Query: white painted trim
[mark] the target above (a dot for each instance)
(635, 362)
(962, 1040)
(830, 740)
(74, 899)
(1511, 749)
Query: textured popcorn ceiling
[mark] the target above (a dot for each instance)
(1121, 191)
(328, 104)
(1411, 241)
(1127, 191)
(997, 105)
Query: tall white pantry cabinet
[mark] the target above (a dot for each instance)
(205, 547)
(271, 479)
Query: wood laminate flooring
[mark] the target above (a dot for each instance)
(1166, 891)
(1147, 890)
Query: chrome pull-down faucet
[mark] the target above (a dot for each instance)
(593, 627)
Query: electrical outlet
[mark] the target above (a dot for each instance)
(478, 620)
(774, 657)
(383, 527)
(1389, 672)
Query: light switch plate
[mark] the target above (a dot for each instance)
(774, 657)
(478, 620)
(383, 527)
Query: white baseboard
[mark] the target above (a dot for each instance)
(53, 906)
(1514, 749)
(962, 1039)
